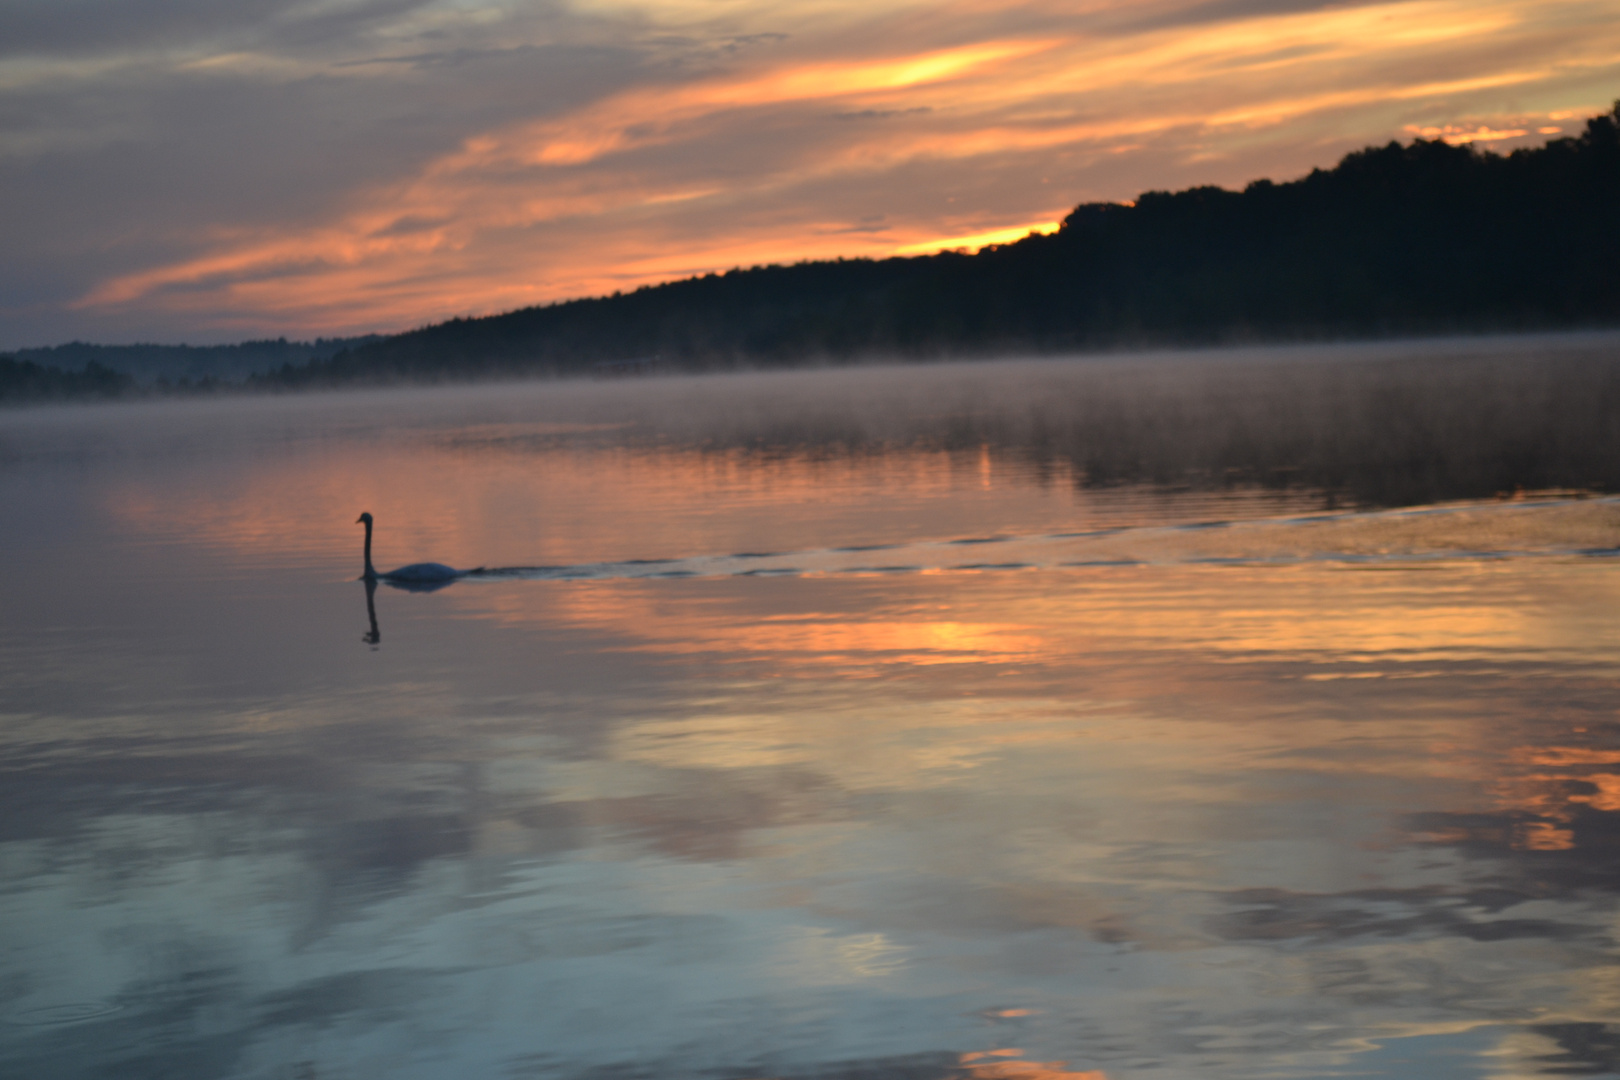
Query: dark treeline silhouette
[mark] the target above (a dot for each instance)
(1420, 238)
(27, 382)
(193, 366)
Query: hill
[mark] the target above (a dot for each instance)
(25, 382)
(1397, 239)
(149, 365)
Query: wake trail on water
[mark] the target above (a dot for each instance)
(1570, 527)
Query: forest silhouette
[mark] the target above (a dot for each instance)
(1422, 238)
(26, 381)
(1417, 239)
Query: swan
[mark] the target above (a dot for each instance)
(422, 574)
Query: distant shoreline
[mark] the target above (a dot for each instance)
(96, 384)
(1376, 423)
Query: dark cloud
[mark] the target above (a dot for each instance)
(747, 41)
(1218, 11)
(1584, 1049)
(882, 114)
(442, 58)
(87, 27)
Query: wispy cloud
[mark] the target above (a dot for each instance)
(446, 159)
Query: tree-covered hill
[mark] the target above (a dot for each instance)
(174, 365)
(25, 382)
(1419, 238)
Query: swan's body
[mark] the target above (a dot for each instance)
(423, 571)
(417, 575)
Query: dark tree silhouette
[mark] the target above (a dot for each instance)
(25, 381)
(1397, 239)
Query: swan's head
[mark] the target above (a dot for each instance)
(365, 517)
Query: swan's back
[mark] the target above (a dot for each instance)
(423, 571)
(416, 574)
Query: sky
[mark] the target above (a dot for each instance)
(191, 171)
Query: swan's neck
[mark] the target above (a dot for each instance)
(371, 571)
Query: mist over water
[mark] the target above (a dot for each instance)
(1222, 715)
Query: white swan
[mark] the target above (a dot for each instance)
(416, 574)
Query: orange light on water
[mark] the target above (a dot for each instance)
(980, 1069)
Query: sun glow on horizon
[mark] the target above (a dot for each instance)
(979, 241)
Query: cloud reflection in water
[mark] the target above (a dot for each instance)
(1159, 820)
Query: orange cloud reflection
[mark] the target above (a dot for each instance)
(979, 1069)
(1549, 801)
(1427, 682)
(922, 642)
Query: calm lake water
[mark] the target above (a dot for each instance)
(790, 760)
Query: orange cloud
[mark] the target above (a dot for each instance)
(647, 115)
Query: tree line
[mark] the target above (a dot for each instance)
(83, 370)
(23, 382)
(1420, 238)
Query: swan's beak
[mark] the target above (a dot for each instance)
(359, 519)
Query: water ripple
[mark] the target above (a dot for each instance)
(1464, 532)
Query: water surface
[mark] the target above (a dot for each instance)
(783, 759)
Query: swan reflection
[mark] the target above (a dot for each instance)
(374, 635)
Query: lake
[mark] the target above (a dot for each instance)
(838, 724)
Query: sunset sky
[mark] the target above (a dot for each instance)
(186, 170)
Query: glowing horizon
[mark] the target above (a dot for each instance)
(437, 160)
